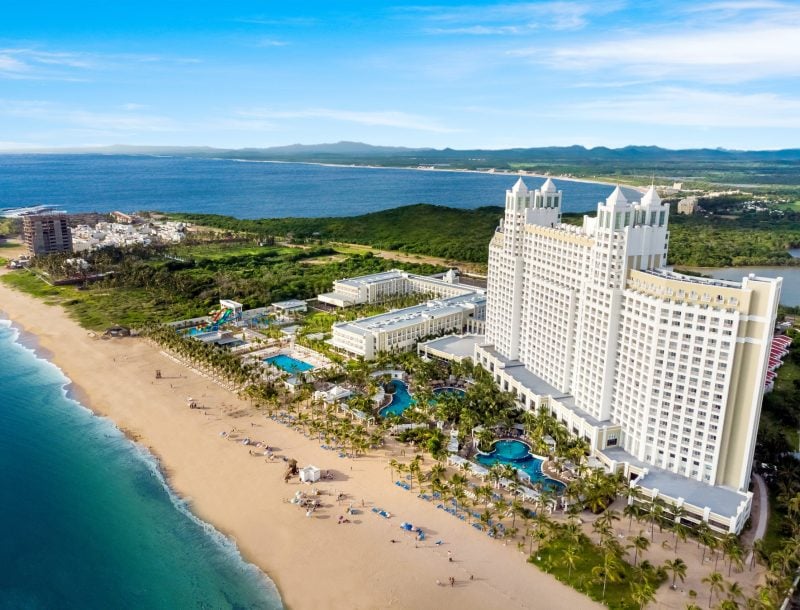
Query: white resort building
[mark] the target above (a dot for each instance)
(454, 307)
(662, 374)
(379, 287)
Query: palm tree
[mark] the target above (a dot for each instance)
(570, 556)
(392, 466)
(632, 512)
(610, 570)
(735, 591)
(655, 514)
(679, 530)
(678, 568)
(735, 556)
(642, 593)
(716, 584)
(640, 543)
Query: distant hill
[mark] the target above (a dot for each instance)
(631, 164)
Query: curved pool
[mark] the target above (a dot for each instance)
(401, 400)
(450, 390)
(518, 454)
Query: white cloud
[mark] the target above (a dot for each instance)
(734, 7)
(511, 18)
(720, 51)
(692, 108)
(270, 42)
(11, 64)
(400, 120)
(71, 117)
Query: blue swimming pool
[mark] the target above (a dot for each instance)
(401, 400)
(199, 330)
(289, 364)
(517, 454)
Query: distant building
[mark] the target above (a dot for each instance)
(379, 287)
(123, 218)
(291, 306)
(47, 234)
(687, 205)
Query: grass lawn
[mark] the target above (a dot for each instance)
(618, 594)
(216, 251)
(787, 374)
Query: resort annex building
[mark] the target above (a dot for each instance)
(663, 374)
(453, 307)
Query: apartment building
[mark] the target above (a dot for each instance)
(47, 234)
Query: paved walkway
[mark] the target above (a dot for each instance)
(763, 512)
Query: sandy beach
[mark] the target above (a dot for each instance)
(314, 561)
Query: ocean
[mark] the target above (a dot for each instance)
(88, 520)
(103, 183)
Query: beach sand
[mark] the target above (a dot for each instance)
(314, 561)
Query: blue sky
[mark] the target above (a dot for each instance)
(488, 75)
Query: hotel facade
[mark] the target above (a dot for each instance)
(661, 373)
(452, 307)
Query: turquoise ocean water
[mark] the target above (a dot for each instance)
(87, 519)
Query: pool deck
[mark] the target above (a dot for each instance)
(549, 470)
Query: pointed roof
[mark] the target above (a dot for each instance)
(616, 197)
(520, 187)
(651, 197)
(548, 186)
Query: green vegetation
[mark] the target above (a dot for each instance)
(463, 235)
(422, 229)
(749, 239)
(150, 285)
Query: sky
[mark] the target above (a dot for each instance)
(451, 74)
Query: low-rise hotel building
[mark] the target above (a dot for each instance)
(661, 373)
(386, 285)
(401, 329)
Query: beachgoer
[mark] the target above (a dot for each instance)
(452, 581)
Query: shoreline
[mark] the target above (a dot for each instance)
(74, 396)
(510, 174)
(312, 562)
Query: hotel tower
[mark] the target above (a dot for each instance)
(662, 373)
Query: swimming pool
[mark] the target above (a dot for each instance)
(194, 331)
(289, 364)
(518, 454)
(401, 400)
